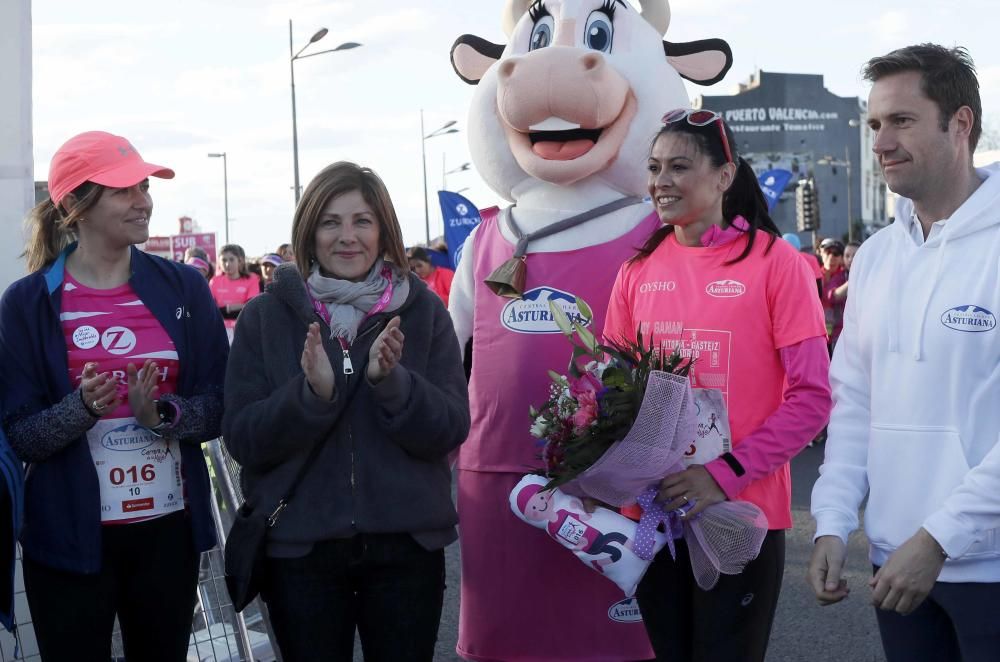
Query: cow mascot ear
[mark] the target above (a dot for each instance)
(704, 62)
(472, 56)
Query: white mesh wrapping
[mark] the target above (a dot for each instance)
(723, 539)
(650, 449)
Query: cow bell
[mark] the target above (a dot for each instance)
(508, 279)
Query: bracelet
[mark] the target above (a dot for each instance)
(169, 413)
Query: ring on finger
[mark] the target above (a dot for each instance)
(686, 500)
(96, 406)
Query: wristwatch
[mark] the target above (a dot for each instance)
(167, 411)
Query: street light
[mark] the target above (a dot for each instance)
(442, 130)
(444, 174)
(319, 34)
(846, 163)
(225, 186)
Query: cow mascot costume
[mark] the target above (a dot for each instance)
(561, 123)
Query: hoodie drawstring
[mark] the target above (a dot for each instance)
(918, 351)
(895, 285)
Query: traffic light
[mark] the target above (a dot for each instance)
(806, 206)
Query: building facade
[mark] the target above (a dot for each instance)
(792, 122)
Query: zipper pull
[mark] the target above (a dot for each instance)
(348, 366)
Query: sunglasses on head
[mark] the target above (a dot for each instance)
(700, 118)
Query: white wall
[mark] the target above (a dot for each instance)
(16, 170)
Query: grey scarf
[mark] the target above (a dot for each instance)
(348, 302)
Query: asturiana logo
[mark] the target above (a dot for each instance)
(725, 289)
(128, 437)
(971, 319)
(531, 314)
(625, 611)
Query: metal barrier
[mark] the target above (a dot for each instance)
(218, 633)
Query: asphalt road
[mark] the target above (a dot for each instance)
(803, 631)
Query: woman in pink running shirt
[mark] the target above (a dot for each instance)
(714, 284)
(234, 286)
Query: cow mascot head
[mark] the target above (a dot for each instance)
(578, 91)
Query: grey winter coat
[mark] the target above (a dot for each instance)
(384, 466)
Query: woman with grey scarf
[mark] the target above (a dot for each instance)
(349, 354)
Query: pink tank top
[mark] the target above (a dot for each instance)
(516, 342)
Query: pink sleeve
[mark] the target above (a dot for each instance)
(618, 322)
(802, 414)
(831, 285)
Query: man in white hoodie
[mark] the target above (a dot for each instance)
(916, 375)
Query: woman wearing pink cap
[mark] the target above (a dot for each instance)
(114, 363)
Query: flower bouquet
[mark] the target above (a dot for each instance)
(622, 419)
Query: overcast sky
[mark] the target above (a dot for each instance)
(188, 77)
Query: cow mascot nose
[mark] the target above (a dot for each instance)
(559, 126)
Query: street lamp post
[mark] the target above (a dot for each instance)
(319, 34)
(225, 186)
(853, 123)
(446, 128)
(846, 163)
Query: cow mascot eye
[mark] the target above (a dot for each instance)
(541, 34)
(599, 31)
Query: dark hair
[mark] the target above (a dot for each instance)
(742, 198)
(947, 77)
(336, 180)
(855, 244)
(238, 251)
(420, 254)
(52, 228)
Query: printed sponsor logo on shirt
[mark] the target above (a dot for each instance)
(625, 611)
(128, 437)
(86, 337)
(970, 319)
(531, 313)
(654, 286)
(118, 340)
(725, 289)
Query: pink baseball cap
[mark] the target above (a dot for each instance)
(102, 158)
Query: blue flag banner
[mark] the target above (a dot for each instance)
(460, 217)
(772, 183)
(440, 259)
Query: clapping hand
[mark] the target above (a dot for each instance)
(385, 351)
(99, 391)
(142, 393)
(316, 364)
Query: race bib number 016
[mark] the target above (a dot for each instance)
(139, 473)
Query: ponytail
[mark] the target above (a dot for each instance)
(744, 198)
(51, 228)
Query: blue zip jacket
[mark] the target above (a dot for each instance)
(62, 519)
(11, 502)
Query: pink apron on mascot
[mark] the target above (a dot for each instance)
(560, 124)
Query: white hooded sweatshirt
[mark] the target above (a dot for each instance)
(916, 387)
